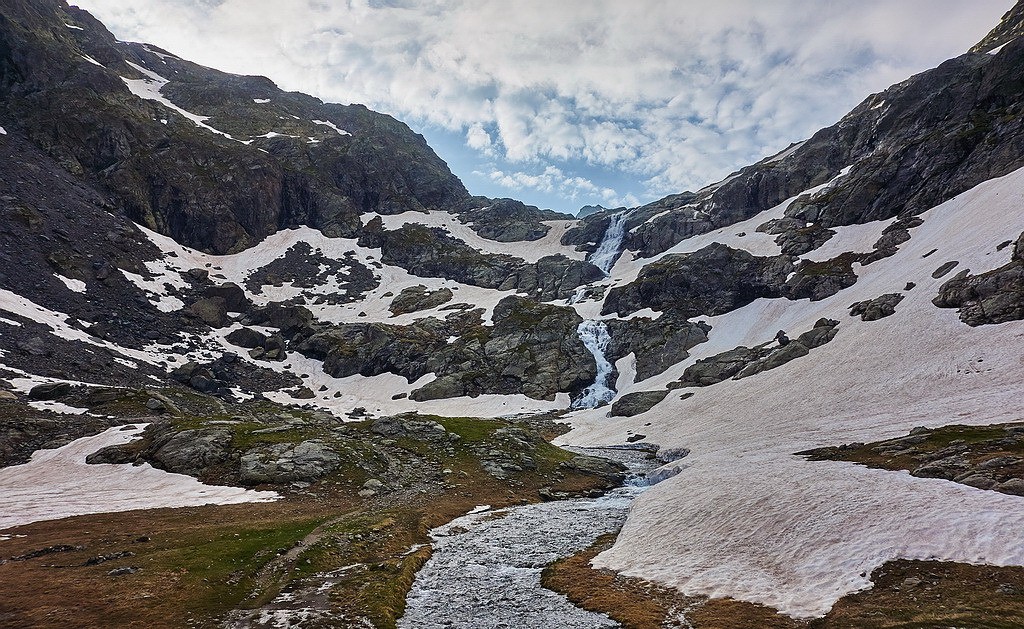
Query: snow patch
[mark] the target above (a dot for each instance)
(747, 519)
(59, 483)
(77, 286)
(328, 123)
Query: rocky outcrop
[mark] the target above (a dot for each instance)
(711, 281)
(508, 220)
(989, 298)
(985, 457)
(416, 298)
(656, 344)
(743, 362)
(281, 463)
(431, 252)
(532, 349)
(877, 308)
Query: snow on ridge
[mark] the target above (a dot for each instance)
(92, 61)
(3, 131)
(151, 88)
(328, 123)
(58, 483)
(261, 101)
(748, 519)
(73, 27)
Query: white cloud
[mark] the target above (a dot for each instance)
(552, 180)
(678, 93)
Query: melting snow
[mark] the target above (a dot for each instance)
(73, 27)
(93, 61)
(748, 519)
(261, 101)
(59, 483)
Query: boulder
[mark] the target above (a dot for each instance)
(636, 403)
(49, 391)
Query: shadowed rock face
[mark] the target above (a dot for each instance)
(200, 187)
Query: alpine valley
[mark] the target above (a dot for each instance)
(265, 362)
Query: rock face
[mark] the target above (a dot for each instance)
(743, 362)
(711, 281)
(200, 187)
(431, 252)
(656, 344)
(416, 298)
(989, 298)
(532, 349)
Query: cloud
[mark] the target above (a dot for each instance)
(675, 93)
(552, 180)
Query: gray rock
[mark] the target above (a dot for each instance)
(877, 308)
(416, 298)
(49, 391)
(636, 403)
(280, 463)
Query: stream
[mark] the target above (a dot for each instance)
(485, 571)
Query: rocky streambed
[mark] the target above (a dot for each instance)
(486, 568)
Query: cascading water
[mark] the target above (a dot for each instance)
(607, 251)
(596, 338)
(594, 334)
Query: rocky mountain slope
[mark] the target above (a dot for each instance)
(269, 281)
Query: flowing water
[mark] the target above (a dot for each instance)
(485, 571)
(596, 338)
(607, 251)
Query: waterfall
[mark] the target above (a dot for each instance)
(608, 250)
(595, 337)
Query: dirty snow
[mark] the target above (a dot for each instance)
(58, 483)
(747, 519)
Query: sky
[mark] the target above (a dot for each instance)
(576, 102)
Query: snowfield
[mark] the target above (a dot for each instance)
(59, 483)
(748, 519)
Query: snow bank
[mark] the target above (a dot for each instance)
(59, 483)
(748, 519)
